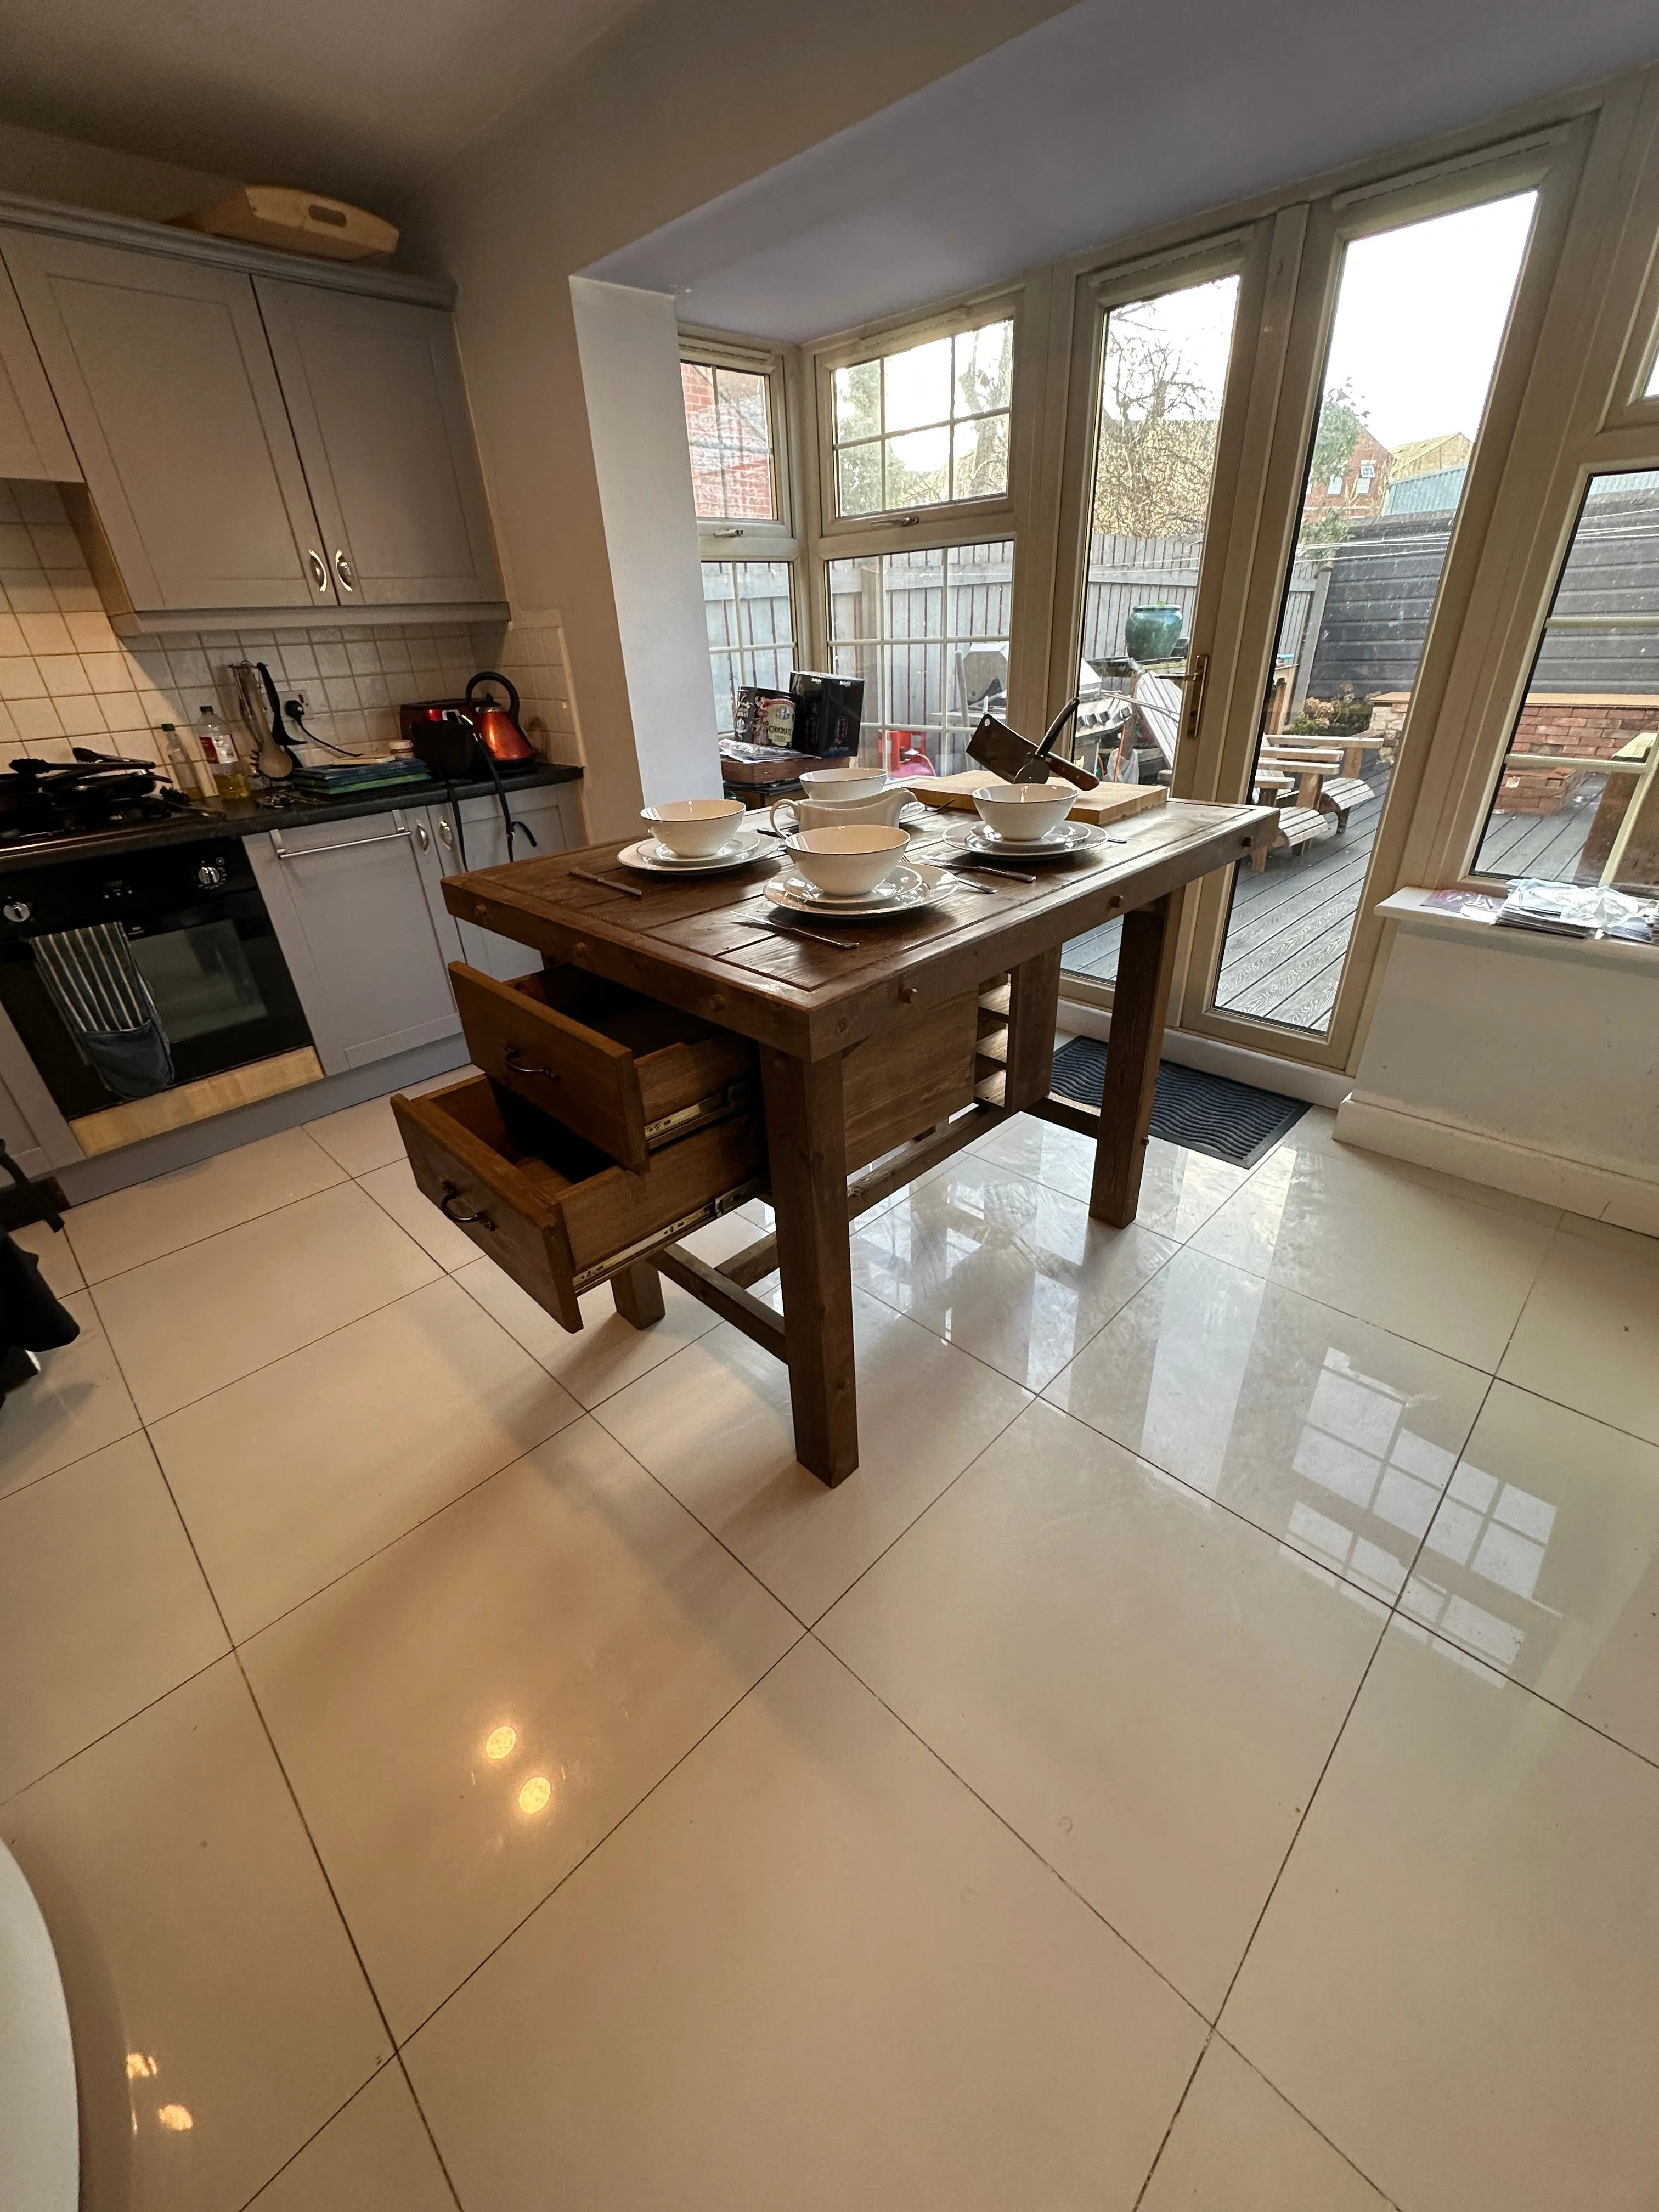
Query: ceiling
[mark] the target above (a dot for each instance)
(356, 100)
(1104, 121)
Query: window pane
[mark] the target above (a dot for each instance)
(1592, 706)
(728, 427)
(1420, 313)
(916, 385)
(929, 633)
(751, 630)
(909, 400)
(1163, 373)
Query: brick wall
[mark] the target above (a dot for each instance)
(1589, 723)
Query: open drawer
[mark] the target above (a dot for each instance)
(621, 1070)
(549, 1208)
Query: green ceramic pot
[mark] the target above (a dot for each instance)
(1150, 633)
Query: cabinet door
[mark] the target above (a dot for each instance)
(375, 390)
(349, 908)
(543, 811)
(33, 440)
(170, 395)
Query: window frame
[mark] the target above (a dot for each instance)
(719, 539)
(943, 522)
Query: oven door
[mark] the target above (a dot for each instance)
(197, 934)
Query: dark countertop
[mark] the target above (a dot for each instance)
(197, 827)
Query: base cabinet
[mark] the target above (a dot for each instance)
(548, 814)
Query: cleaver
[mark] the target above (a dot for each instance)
(1017, 760)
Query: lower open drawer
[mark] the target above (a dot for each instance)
(549, 1208)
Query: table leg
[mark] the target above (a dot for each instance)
(637, 1292)
(1033, 1009)
(806, 1141)
(1141, 997)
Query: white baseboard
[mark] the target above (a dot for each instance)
(1588, 1186)
(1320, 1086)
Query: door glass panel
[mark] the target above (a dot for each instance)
(1578, 800)
(1420, 313)
(1164, 370)
(929, 633)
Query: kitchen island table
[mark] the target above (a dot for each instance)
(882, 1048)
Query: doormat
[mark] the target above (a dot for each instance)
(1211, 1113)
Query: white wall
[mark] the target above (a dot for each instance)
(1527, 1063)
(628, 342)
(43, 167)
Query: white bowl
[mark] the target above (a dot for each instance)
(1022, 812)
(833, 787)
(693, 827)
(846, 862)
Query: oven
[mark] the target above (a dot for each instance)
(144, 975)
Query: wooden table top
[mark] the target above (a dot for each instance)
(708, 944)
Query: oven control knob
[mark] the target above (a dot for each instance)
(16, 910)
(212, 875)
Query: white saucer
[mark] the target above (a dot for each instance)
(1068, 837)
(905, 890)
(648, 858)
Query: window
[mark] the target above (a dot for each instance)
(924, 425)
(751, 630)
(1421, 309)
(929, 633)
(1576, 800)
(728, 427)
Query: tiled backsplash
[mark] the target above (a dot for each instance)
(66, 679)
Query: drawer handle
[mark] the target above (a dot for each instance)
(519, 1065)
(446, 1207)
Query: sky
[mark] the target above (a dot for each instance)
(1420, 315)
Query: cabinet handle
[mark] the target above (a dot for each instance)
(513, 1058)
(345, 845)
(422, 837)
(343, 570)
(446, 1206)
(444, 836)
(319, 570)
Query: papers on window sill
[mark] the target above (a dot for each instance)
(1583, 910)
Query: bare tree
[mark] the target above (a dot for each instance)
(1157, 434)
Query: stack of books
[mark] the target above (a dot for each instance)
(347, 778)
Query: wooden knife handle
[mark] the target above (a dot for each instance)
(1073, 773)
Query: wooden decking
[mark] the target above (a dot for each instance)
(1288, 934)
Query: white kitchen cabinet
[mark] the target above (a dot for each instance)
(165, 381)
(374, 393)
(33, 440)
(350, 907)
(548, 812)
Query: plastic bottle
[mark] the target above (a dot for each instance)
(224, 762)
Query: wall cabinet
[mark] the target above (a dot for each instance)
(373, 391)
(252, 445)
(350, 904)
(33, 440)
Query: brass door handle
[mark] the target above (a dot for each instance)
(446, 1207)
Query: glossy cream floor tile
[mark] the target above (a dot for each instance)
(53, 1248)
(149, 1219)
(1143, 1687)
(77, 1404)
(374, 2156)
(301, 1470)
(1590, 1336)
(1544, 1561)
(713, 1424)
(184, 1326)
(359, 1138)
(607, 1352)
(394, 1188)
(102, 1607)
(810, 1971)
(1457, 1979)
(1334, 1435)
(1340, 1226)
(465, 1715)
(1012, 1272)
(1180, 1189)
(218, 2014)
(1237, 2146)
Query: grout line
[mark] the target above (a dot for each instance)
(390, 2061)
(402, 2065)
(1228, 2044)
(1181, 2101)
(224, 1228)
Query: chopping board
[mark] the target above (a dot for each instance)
(1108, 802)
